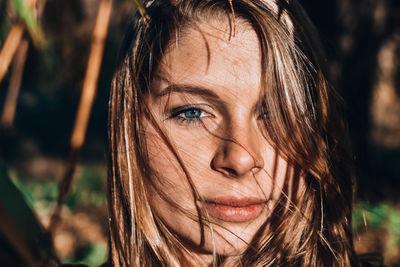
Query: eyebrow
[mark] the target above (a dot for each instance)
(201, 91)
(190, 89)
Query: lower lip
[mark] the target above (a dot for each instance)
(233, 213)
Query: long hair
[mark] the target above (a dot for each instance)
(311, 223)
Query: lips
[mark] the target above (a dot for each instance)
(232, 209)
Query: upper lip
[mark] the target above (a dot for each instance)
(235, 201)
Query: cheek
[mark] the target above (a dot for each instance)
(190, 151)
(166, 170)
(171, 197)
(160, 156)
(279, 178)
(169, 180)
(283, 180)
(271, 179)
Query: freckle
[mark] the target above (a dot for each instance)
(235, 62)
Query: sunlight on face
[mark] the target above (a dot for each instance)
(208, 102)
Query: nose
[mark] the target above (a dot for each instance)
(238, 155)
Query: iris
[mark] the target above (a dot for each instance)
(192, 113)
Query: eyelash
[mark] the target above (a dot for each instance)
(264, 116)
(178, 115)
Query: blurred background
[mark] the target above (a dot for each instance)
(40, 93)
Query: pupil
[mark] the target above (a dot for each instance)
(192, 113)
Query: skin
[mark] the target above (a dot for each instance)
(211, 112)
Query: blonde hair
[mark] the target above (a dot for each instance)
(311, 224)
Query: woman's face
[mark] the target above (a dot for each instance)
(208, 103)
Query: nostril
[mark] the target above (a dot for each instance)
(235, 161)
(229, 172)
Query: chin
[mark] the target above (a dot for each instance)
(230, 241)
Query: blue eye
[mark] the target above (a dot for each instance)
(187, 115)
(192, 113)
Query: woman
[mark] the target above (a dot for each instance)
(226, 143)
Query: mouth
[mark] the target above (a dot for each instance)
(232, 209)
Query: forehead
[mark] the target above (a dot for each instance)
(209, 55)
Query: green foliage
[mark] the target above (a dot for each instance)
(22, 221)
(88, 191)
(27, 15)
(376, 216)
(38, 195)
(380, 216)
(94, 254)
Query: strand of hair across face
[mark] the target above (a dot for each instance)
(233, 17)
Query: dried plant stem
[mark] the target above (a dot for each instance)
(92, 74)
(10, 47)
(85, 104)
(10, 104)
